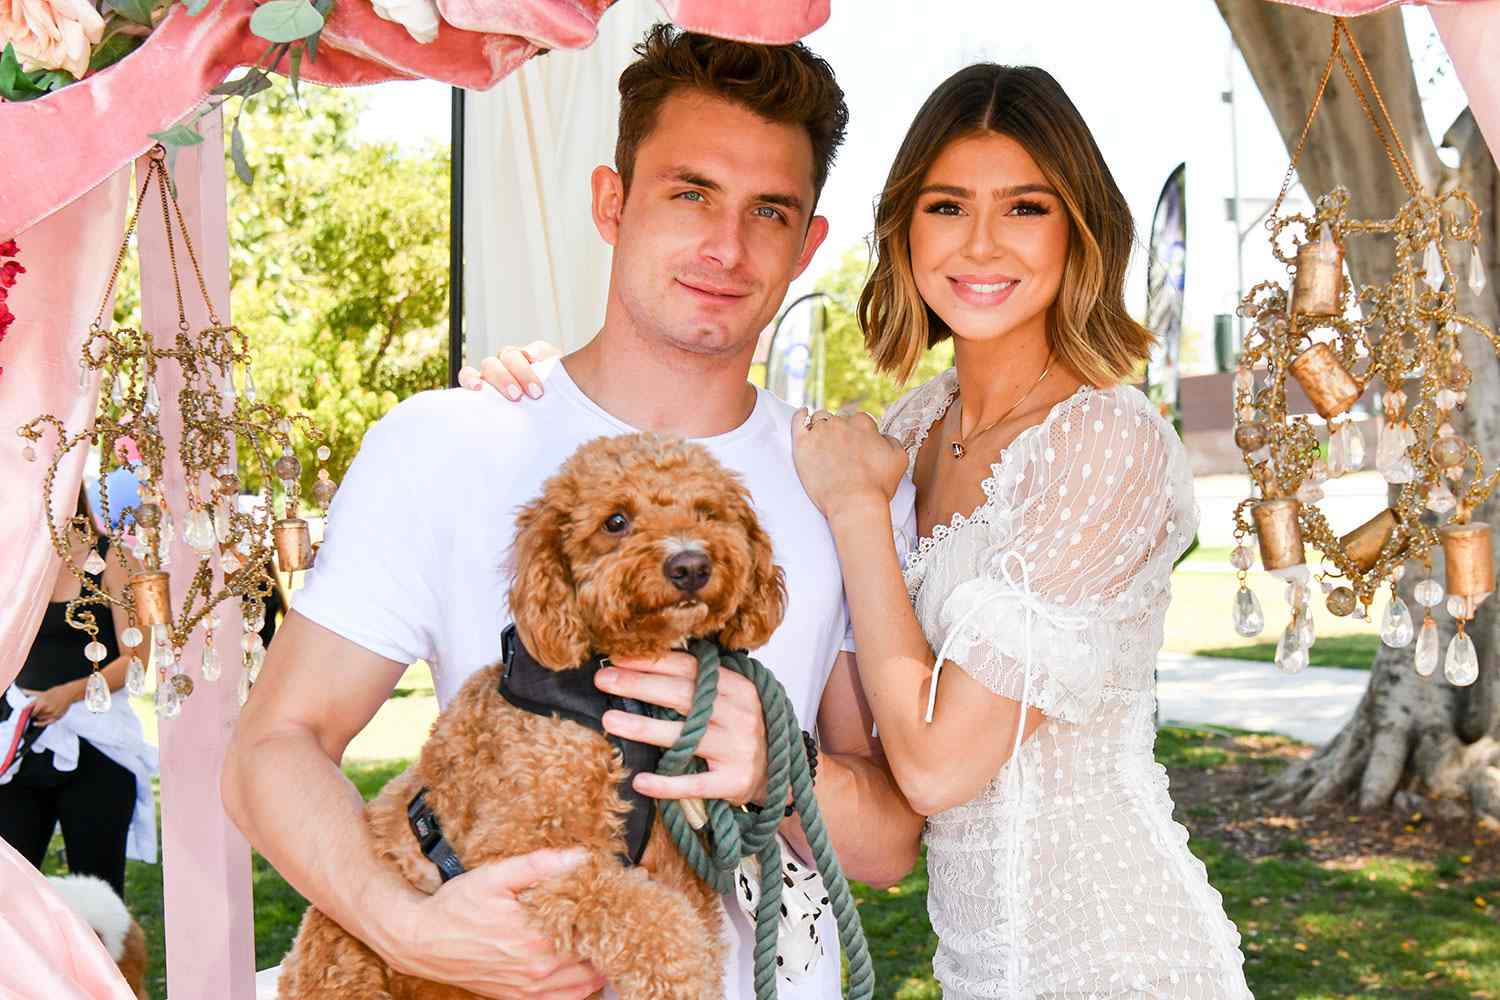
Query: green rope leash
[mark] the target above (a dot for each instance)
(739, 834)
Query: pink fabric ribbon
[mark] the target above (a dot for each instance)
(49, 952)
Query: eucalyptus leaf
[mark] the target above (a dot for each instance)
(113, 49)
(177, 135)
(138, 11)
(237, 154)
(322, 7)
(53, 79)
(195, 6)
(253, 82)
(15, 84)
(285, 20)
(296, 69)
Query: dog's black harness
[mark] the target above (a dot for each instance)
(569, 694)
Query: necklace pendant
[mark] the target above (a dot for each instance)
(958, 449)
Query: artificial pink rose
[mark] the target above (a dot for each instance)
(51, 34)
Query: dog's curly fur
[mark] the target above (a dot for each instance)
(504, 782)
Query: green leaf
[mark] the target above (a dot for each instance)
(138, 11)
(113, 49)
(322, 7)
(177, 135)
(15, 84)
(237, 153)
(296, 69)
(253, 82)
(195, 6)
(52, 79)
(285, 20)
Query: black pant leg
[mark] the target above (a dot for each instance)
(28, 815)
(95, 808)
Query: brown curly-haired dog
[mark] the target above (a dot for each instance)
(636, 544)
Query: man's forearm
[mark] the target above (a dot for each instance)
(316, 838)
(874, 832)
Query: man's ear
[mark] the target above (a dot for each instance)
(817, 232)
(609, 202)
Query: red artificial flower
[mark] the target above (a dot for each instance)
(8, 272)
(9, 249)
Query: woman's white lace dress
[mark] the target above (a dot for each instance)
(1067, 877)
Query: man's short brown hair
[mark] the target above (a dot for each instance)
(781, 83)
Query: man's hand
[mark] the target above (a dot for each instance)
(474, 934)
(734, 745)
(52, 703)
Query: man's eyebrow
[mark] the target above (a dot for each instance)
(1009, 192)
(686, 175)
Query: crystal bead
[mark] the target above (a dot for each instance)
(1449, 451)
(95, 651)
(323, 491)
(1305, 633)
(1461, 665)
(1459, 607)
(153, 400)
(1446, 399)
(1338, 462)
(1359, 613)
(251, 641)
(254, 614)
(1341, 601)
(254, 660)
(229, 482)
(168, 701)
(1432, 267)
(1396, 628)
(1398, 572)
(1354, 446)
(1440, 499)
(229, 563)
(1242, 557)
(117, 391)
(200, 531)
(1317, 472)
(249, 386)
(287, 467)
(168, 527)
(1391, 458)
(242, 690)
(159, 634)
(324, 452)
(1298, 597)
(1249, 619)
(135, 676)
(131, 637)
(94, 564)
(284, 425)
(83, 375)
(1477, 280)
(28, 453)
(222, 525)
(1291, 657)
(1310, 492)
(1427, 649)
(1244, 381)
(96, 695)
(1251, 436)
(210, 668)
(183, 683)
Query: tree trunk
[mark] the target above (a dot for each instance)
(1413, 735)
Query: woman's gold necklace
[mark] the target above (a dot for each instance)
(958, 446)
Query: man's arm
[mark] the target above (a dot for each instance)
(874, 832)
(283, 787)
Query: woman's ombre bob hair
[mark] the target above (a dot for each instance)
(1088, 327)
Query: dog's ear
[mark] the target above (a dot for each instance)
(764, 604)
(542, 601)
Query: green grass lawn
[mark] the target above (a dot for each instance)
(1389, 927)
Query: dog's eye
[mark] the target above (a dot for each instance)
(706, 512)
(616, 524)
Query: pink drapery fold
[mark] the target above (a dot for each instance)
(1356, 8)
(1471, 34)
(49, 952)
(772, 22)
(67, 260)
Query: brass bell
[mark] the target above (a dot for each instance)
(1364, 543)
(293, 544)
(1469, 561)
(1279, 533)
(1326, 381)
(152, 593)
(1318, 288)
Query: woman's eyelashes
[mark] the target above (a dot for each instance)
(1021, 208)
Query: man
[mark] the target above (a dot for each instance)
(723, 150)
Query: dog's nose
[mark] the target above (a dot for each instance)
(688, 571)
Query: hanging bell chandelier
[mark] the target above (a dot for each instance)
(232, 546)
(1336, 343)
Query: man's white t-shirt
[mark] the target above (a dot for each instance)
(414, 560)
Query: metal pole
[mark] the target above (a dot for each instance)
(456, 241)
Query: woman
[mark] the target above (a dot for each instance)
(1052, 502)
(89, 771)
